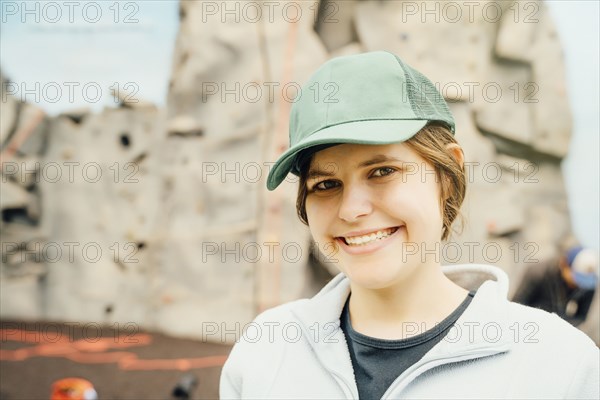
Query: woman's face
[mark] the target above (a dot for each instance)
(374, 211)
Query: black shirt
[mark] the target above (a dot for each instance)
(378, 362)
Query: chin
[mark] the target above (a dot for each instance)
(375, 277)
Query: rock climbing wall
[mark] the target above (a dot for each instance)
(499, 64)
(79, 209)
(23, 134)
(167, 217)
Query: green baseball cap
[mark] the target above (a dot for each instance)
(367, 98)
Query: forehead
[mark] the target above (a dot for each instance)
(353, 154)
(355, 157)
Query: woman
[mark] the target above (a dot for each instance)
(381, 182)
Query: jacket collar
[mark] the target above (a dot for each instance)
(482, 329)
(484, 326)
(326, 306)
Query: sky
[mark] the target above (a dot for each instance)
(129, 45)
(578, 28)
(136, 50)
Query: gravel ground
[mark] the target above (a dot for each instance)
(88, 348)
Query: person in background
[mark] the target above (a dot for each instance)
(565, 288)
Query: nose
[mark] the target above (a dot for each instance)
(355, 203)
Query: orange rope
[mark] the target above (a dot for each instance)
(280, 145)
(85, 351)
(21, 136)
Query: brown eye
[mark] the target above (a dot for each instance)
(383, 171)
(324, 185)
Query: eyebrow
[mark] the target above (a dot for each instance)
(377, 159)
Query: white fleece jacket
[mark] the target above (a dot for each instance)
(496, 350)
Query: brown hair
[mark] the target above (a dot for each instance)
(429, 143)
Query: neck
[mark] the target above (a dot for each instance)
(419, 302)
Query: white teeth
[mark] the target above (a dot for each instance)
(365, 239)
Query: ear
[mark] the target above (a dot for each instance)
(457, 153)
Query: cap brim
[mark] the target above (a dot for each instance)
(371, 132)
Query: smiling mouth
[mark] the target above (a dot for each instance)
(363, 240)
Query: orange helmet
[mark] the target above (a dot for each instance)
(73, 389)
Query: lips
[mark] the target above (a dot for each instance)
(369, 236)
(372, 243)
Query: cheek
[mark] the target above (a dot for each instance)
(417, 204)
(316, 215)
(309, 210)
